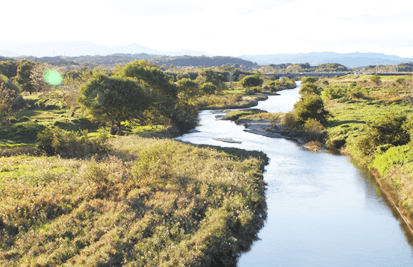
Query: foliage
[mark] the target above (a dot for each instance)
(23, 75)
(70, 144)
(115, 99)
(309, 88)
(376, 79)
(187, 89)
(208, 88)
(159, 83)
(313, 129)
(386, 130)
(251, 81)
(184, 116)
(9, 68)
(150, 203)
(310, 107)
(309, 79)
(210, 76)
(331, 67)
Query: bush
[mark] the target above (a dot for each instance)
(251, 81)
(309, 88)
(209, 88)
(310, 107)
(390, 129)
(70, 144)
(288, 121)
(313, 129)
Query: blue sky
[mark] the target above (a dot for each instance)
(218, 27)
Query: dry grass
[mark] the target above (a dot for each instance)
(148, 202)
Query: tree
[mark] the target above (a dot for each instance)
(310, 107)
(210, 76)
(251, 81)
(23, 75)
(208, 88)
(309, 79)
(309, 88)
(187, 89)
(391, 129)
(9, 68)
(36, 78)
(159, 82)
(10, 99)
(116, 99)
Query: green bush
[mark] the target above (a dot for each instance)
(394, 155)
(22, 131)
(54, 141)
(208, 88)
(310, 107)
(251, 81)
(313, 130)
(390, 129)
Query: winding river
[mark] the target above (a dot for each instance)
(322, 210)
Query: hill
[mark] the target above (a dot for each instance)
(316, 58)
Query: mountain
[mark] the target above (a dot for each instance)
(316, 58)
(6, 53)
(82, 48)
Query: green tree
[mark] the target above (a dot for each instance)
(392, 129)
(210, 76)
(310, 107)
(309, 79)
(251, 81)
(9, 68)
(309, 88)
(23, 75)
(187, 89)
(114, 99)
(208, 88)
(10, 99)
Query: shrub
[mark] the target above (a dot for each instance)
(288, 121)
(313, 129)
(309, 88)
(310, 107)
(251, 81)
(209, 88)
(70, 144)
(376, 79)
(390, 129)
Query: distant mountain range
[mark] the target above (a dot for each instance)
(83, 48)
(316, 58)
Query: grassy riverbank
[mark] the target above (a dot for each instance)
(370, 119)
(143, 202)
(72, 194)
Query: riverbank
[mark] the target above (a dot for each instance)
(143, 202)
(346, 132)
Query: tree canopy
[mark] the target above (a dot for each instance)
(114, 98)
(251, 81)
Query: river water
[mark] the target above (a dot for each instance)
(322, 210)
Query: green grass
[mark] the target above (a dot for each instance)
(148, 202)
(350, 117)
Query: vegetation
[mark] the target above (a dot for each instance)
(372, 121)
(146, 202)
(72, 194)
(251, 81)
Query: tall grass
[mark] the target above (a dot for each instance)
(148, 202)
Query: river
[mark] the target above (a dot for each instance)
(322, 210)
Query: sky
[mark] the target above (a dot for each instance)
(218, 27)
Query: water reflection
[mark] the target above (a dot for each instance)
(322, 211)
